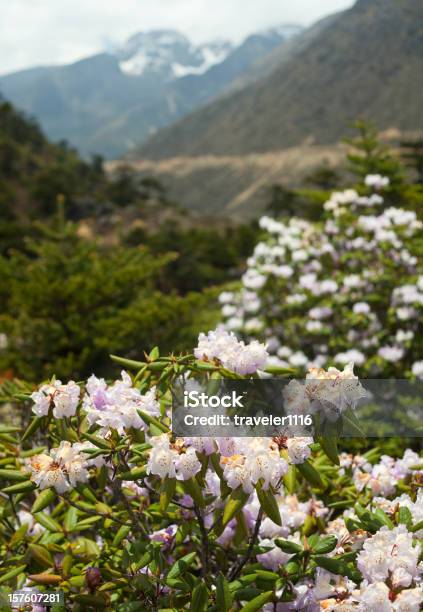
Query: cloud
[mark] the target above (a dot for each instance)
(42, 32)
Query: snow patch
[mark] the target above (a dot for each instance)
(135, 65)
(211, 57)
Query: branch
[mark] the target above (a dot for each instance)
(236, 570)
(205, 542)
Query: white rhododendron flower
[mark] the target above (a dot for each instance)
(375, 596)
(63, 398)
(116, 406)
(383, 477)
(390, 553)
(172, 460)
(361, 308)
(376, 181)
(187, 464)
(417, 369)
(254, 459)
(230, 352)
(333, 387)
(162, 457)
(408, 600)
(391, 353)
(299, 449)
(351, 356)
(62, 469)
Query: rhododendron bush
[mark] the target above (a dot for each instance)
(349, 288)
(101, 501)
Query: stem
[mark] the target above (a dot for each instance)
(237, 568)
(204, 540)
(136, 525)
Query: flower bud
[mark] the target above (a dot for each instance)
(93, 578)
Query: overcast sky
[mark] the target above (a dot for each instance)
(42, 32)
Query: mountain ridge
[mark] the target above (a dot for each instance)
(363, 64)
(110, 102)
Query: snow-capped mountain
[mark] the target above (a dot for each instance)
(112, 102)
(169, 54)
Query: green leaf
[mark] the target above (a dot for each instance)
(200, 598)
(351, 524)
(128, 363)
(135, 474)
(46, 521)
(8, 429)
(339, 567)
(32, 427)
(15, 475)
(277, 370)
(21, 487)
(290, 479)
(167, 492)
(112, 586)
(38, 450)
(405, 517)
(370, 521)
(383, 518)
(98, 442)
(292, 567)
(144, 560)
(329, 445)
(246, 593)
(123, 531)
(344, 503)
(179, 584)
(87, 523)
(223, 594)
(258, 602)
(86, 492)
(192, 487)
(19, 535)
(288, 547)
(41, 555)
(44, 499)
(154, 354)
(71, 518)
(181, 565)
(353, 424)
(417, 527)
(331, 564)
(236, 501)
(310, 474)
(203, 365)
(12, 574)
(267, 575)
(269, 504)
(325, 545)
(152, 421)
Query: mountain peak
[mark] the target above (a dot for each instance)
(170, 54)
